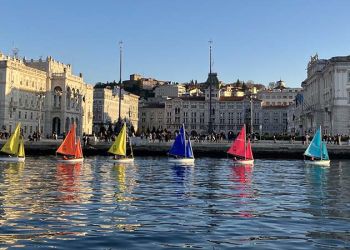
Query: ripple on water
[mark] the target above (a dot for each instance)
(155, 204)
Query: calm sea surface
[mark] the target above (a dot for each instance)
(153, 204)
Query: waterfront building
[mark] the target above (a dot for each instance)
(151, 116)
(44, 95)
(326, 92)
(170, 90)
(228, 113)
(106, 106)
(275, 119)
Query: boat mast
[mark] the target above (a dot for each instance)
(183, 126)
(245, 144)
(321, 142)
(120, 78)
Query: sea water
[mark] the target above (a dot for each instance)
(154, 204)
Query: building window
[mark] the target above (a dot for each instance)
(19, 114)
(349, 76)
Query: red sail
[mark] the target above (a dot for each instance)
(68, 145)
(249, 152)
(78, 150)
(238, 146)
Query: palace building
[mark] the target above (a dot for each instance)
(44, 95)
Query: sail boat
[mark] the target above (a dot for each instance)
(241, 148)
(118, 148)
(181, 151)
(317, 150)
(14, 147)
(70, 148)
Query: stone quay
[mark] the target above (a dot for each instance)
(261, 149)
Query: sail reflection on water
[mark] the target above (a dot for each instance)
(12, 185)
(125, 182)
(242, 177)
(72, 184)
(124, 176)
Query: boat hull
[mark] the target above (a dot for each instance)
(248, 162)
(75, 160)
(123, 160)
(12, 159)
(324, 163)
(181, 160)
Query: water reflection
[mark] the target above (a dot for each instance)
(124, 184)
(68, 179)
(242, 176)
(11, 187)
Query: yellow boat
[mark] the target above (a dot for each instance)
(118, 148)
(14, 147)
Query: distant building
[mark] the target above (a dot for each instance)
(143, 82)
(279, 95)
(228, 113)
(44, 96)
(170, 90)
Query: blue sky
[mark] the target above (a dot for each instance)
(259, 40)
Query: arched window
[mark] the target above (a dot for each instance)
(57, 96)
(68, 97)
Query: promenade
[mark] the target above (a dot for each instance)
(261, 149)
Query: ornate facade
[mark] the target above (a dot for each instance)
(43, 95)
(326, 96)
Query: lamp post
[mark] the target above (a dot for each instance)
(120, 78)
(41, 96)
(251, 115)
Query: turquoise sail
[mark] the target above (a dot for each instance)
(317, 148)
(325, 155)
(179, 147)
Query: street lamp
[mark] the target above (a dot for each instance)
(41, 96)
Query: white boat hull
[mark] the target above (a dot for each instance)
(248, 162)
(181, 160)
(123, 160)
(74, 160)
(12, 159)
(324, 163)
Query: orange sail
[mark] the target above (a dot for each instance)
(238, 146)
(68, 145)
(249, 152)
(78, 150)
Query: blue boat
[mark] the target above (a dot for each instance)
(317, 151)
(181, 151)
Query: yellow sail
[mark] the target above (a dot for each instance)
(12, 145)
(21, 149)
(119, 146)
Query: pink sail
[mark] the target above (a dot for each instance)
(238, 146)
(249, 152)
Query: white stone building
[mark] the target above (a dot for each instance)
(326, 95)
(151, 117)
(106, 107)
(43, 94)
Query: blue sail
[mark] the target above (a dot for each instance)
(324, 151)
(314, 149)
(189, 152)
(179, 146)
